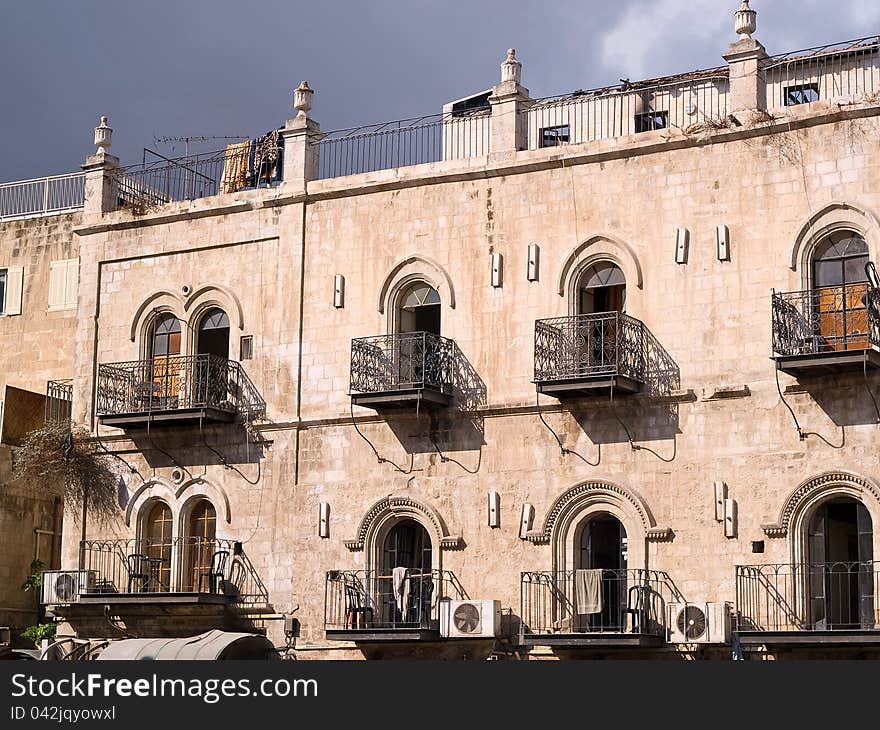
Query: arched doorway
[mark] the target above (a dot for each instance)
(840, 565)
(211, 371)
(155, 571)
(203, 560)
(601, 297)
(406, 581)
(418, 331)
(163, 350)
(601, 574)
(839, 289)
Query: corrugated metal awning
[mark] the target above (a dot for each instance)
(210, 645)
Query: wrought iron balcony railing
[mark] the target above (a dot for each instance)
(59, 396)
(176, 383)
(589, 345)
(155, 567)
(808, 597)
(825, 320)
(410, 361)
(630, 602)
(366, 600)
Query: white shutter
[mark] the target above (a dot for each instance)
(57, 276)
(63, 284)
(71, 284)
(14, 285)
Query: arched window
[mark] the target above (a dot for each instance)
(158, 541)
(601, 571)
(213, 334)
(601, 288)
(839, 289)
(419, 309)
(164, 336)
(405, 579)
(204, 561)
(840, 570)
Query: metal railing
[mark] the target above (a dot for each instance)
(173, 565)
(587, 345)
(403, 143)
(807, 597)
(59, 397)
(826, 319)
(851, 68)
(167, 180)
(42, 196)
(366, 599)
(414, 360)
(177, 382)
(585, 116)
(628, 601)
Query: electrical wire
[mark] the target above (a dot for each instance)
(381, 459)
(562, 448)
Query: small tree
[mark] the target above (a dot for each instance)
(67, 461)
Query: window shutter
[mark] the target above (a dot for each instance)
(57, 276)
(71, 284)
(14, 286)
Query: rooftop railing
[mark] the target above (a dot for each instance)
(403, 143)
(808, 597)
(851, 68)
(42, 196)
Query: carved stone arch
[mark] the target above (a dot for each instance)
(598, 248)
(210, 295)
(150, 491)
(413, 268)
(197, 488)
(834, 216)
(390, 510)
(161, 300)
(589, 498)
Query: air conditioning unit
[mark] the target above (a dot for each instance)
(66, 586)
(470, 619)
(699, 623)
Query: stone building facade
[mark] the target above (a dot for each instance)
(604, 364)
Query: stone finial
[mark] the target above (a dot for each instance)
(302, 99)
(745, 20)
(103, 136)
(511, 69)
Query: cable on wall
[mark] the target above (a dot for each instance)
(562, 448)
(381, 459)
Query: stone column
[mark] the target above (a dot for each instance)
(100, 169)
(301, 136)
(748, 86)
(509, 101)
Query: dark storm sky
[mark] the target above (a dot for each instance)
(224, 68)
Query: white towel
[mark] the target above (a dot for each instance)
(400, 586)
(588, 591)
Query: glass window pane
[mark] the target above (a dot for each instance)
(2, 292)
(854, 269)
(827, 273)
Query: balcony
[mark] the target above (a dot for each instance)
(827, 330)
(394, 371)
(59, 397)
(630, 611)
(175, 390)
(808, 604)
(590, 354)
(362, 606)
(166, 587)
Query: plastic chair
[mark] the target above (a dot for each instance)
(357, 614)
(137, 565)
(215, 571)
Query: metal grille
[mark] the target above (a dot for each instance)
(365, 599)
(59, 395)
(174, 565)
(807, 597)
(42, 196)
(414, 360)
(175, 382)
(826, 319)
(851, 68)
(631, 108)
(403, 143)
(633, 601)
(608, 343)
